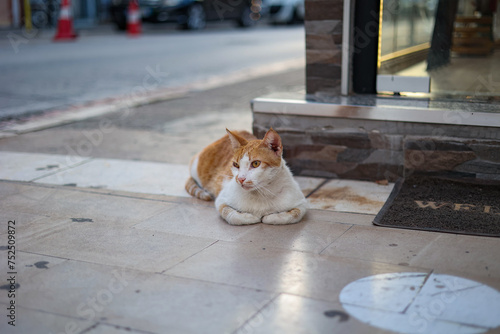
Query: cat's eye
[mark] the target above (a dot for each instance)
(235, 165)
(255, 163)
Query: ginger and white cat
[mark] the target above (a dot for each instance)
(249, 180)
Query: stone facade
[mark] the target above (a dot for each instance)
(382, 150)
(472, 157)
(369, 149)
(323, 27)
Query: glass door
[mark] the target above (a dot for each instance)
(441, 47)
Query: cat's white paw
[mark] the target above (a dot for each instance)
(242, 218)
(235, 217)
(282, 218)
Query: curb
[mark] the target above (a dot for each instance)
(117, 103)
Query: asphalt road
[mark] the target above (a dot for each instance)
(39, 75)
(169, 131)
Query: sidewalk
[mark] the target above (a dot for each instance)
(109, 242)
(79, 225)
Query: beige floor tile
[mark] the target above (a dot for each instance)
(195, 221)
(295, 314)
(462, 254)
(135, 176)
(8, 188)
(27, 264)
(111, 245)
(350, 196)
(340, 217)
(71, 203)
(142, 301)
(112, 329)
(71, 289)
(31, 321)
(30, 166)
(176, 305)
(17, 196)
(378, 244)
(305, 274)
(39, 227)
(20, 221)
(308, 184)
(308, 235)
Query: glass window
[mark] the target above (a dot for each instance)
(453, 43)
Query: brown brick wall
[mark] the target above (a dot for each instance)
(323, 26)
(376, 150)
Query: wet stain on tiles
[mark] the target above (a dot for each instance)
(82, 220)
(10, 286)
(48, 167)
(42, 264)
(349, 196)
(342, 316)
(344, 194)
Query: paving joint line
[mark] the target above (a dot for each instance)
(83, 162)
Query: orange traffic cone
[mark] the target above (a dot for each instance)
(133, 19)
(65, 24)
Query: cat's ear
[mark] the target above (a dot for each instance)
(236, 141)
(272, 140)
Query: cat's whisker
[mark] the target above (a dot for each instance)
(264, 191)
(268, 190)
(269, 196)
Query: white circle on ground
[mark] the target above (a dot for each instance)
(423, 303)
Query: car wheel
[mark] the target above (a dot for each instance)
(247, 18)
(196, 18)
(295, 19)
(162, 17)
(120, 22)
(40, 19)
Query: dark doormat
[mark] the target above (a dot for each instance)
(443, 205)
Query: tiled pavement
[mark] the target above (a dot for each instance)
(117, 246)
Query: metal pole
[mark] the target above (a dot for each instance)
(346, 48)
(27, 16)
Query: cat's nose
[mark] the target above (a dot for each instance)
(241, 179)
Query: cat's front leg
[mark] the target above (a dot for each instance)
(286, 217)
(234, 217)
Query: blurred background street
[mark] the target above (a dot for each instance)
(169, 131)
(40, 75)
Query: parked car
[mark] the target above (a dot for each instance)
(285, 11)
(44, 13)
(190, 14)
